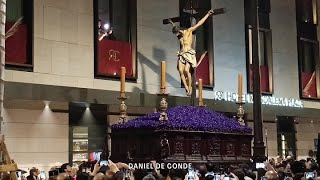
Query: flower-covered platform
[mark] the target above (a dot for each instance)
(191, 134)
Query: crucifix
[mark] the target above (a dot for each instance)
(187, 62)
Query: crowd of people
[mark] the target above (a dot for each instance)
(274, 169)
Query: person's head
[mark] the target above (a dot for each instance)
(149, 177)
(23, 177)
(311, 166)
(202, 170)
(239, 173)
(109, 175)
(290, 159)
(177, 30)
(177, 174)
(251, 175)
(99, 176)
(82, 176)
(245, 167)
(34, 171)
(164, 172)
(139, 174)
(281, 175)
(119, 175)
(284, 163)
(298, 176)
(209, 177)
(279, 159)
(5, 176)
(52, 177)
(99, 23)
(210, 167)
(297, 167)
(272, 161)
(63, 176)
(66, 167)
(309, 163)
(233, 167)
(271, 175)
(303, 161)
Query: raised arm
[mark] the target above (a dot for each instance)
(193, 28)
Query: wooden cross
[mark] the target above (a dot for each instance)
(179, 19)
(7, 165)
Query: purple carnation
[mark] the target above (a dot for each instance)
(187, 118)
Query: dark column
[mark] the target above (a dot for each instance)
(258, 144)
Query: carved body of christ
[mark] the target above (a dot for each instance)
(187, 55)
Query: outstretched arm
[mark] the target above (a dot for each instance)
(193, 28)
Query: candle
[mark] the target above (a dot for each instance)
(240, 88)
(123, 81)
(200, 92)
(163, 76)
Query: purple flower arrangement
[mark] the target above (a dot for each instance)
(187, 118)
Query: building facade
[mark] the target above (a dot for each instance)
(62, 67)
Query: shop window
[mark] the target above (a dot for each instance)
(308, 49)
(191, 11)
(115, 38)
(19, 23)
(265, 60)
(265, 47)
(80, 144)
(308, 54)
(87, 132)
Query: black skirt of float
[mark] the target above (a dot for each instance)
(192, 134)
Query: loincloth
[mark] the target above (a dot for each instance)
(188, 57)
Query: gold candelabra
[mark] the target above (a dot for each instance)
(240, 112)
(200, 100)
(123, 107)
(163, 102)
(123, 110)
(200, 104)
(163, 106)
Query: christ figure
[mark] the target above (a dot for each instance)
(187, 55)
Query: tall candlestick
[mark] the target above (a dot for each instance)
(123, 82)
(240, 88)
(163, 77)
(200, 92)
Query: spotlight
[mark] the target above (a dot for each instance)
(46, 104)
(114, 73)
(106, 26)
